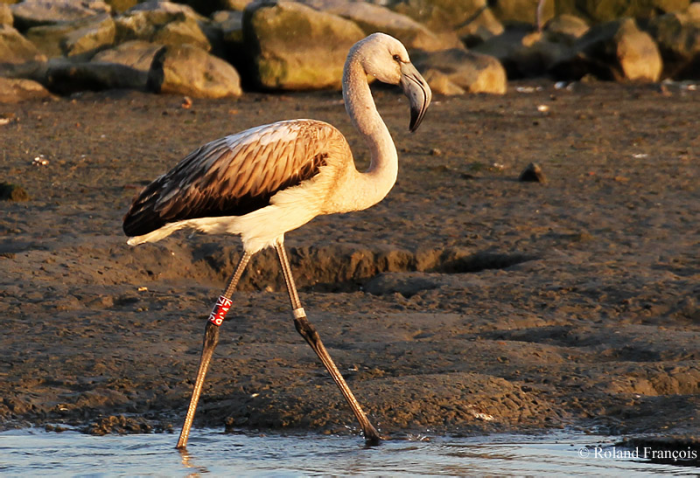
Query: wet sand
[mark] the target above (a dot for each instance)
(465, 303)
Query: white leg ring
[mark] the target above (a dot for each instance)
(299, 313)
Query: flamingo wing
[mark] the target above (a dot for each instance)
(232, 176)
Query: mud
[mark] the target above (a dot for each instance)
(466, 302)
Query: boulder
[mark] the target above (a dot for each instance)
(469, 71)
(595, 11)
(5, 14)
(136, 54)
(188, 70)
(523, 53)
(565, 29)
(14, 48)
(162, 22)
(208, 7)
(66, 77)
(482, 26)
(678, 38)
(295, 47)
(230, 32)
(514, 13)
(616, 50)
(32, 13)
(73, 38)
(374, 18)
(441, 15)
(120, 6)
(17, 90)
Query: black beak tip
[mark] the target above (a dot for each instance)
(416, 119)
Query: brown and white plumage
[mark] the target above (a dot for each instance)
(218, 184)
(272, 179)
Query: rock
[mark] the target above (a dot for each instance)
(523, 53)
(73, 38)
(374, 18)
(14, 48)
(565, 29)
(135, 54)
(610, 10)
(441, 15)
(208, 7)
(120, 6)
(678, 38)
(295, 47)
(230, 26)
(188, 70)
(522, 12)
(15, 90)
(5, 14)
(441, 84)
(481, 27)
(13, 192)
(65, 77)
(32, 13)
(162, 22)
(532, 173)
(616, 50)
(470, 71)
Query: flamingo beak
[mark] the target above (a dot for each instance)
(418, 93)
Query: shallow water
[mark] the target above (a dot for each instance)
(32, 452)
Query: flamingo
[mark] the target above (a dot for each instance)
(268, 180)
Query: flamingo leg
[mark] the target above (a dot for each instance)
(311, 336)
(211, 339)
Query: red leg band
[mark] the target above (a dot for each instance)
(218, 314)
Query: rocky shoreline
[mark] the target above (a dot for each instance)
(221, 48)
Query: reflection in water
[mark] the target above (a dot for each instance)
(211, 453)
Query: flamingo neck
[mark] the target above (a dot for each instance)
(375, 183)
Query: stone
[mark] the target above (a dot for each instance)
(32, 13)
(523, 53)
(295, 47)
(616, 50)
(14, 48)
(73, 38)
(565, 29)
(230, 27)
(532, 173)
(120, 6)
(5, 15)
(188, 70)
(470, 71)
(65, 77)
(481, 27)
(135, 54)
(441, 84)
(162, 22)
(374, 18)
(678, 38)
(516, 13)
(15, 90)
(441, 15)
(13, 192)
(208, 7)
(595, 11)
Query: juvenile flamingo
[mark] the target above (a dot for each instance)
(268, 180)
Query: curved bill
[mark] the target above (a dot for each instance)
(417, 91)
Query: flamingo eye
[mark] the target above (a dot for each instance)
(397, 58)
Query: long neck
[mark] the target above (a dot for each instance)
(377, 181)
